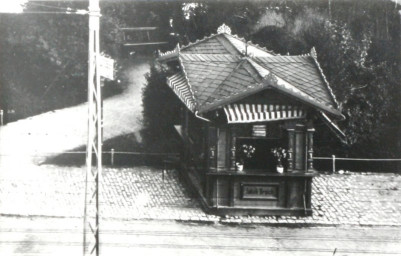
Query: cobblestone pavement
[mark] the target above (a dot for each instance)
(141, 193)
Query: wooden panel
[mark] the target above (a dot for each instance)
(277, 199)
(223, 192)
(212, 138)
(295, 190)
(299, 151)
(222, 148)
(261, 191)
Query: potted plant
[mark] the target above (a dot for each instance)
(245, 151)
(280, 154)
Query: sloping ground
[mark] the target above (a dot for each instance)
(33, 139)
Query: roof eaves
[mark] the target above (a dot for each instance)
(186, 78)
(289, 89)
(173, 54)
(333, 127)
(174, 82)
(313, 54)
(198, 41)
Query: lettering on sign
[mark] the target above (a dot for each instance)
(259, 191)
(259, 130)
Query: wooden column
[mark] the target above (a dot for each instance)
(185, 136)
(186, 122)
(222, 147)
(212, 140)
(300, 148)
(310, 132)
(233, 149)
(291, 145)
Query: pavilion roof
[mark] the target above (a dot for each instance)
(223, 68)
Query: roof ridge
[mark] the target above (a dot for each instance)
(281, 56)
(313, 54)
(257, 84)
(198, 57)
(232, 72)
(190, 44)
(225, 34)
(247, 59)
(250, 43)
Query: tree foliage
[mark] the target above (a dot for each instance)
(161, 111)
(43, 59)
(358, 46)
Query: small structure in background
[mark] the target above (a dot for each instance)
(142, 39)
(240, 96)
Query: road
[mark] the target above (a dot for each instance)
(63, 236)
(31, 140)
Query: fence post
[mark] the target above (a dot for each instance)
(334, 163)
(1, 117)
(164, 169)
(112, 156)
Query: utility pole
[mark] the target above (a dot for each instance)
(94, 145)
(330, 10)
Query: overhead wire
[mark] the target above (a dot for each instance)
(51, 6)
(64, 10)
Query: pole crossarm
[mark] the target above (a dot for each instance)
(94, 143)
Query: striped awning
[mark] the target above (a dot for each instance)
(249, 113)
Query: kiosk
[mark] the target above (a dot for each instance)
(247, 123)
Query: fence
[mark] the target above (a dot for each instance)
(111, 157)
(372, 162)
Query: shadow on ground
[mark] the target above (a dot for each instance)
(128, 151)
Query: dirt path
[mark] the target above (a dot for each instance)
(50, 236)
(30, 140)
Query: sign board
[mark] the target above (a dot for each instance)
(259, 191)
(259, 130)
(106, 67)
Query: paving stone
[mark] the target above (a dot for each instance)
(140, 193)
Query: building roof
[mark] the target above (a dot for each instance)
(218, 70)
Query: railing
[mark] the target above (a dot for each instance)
(333, 158)
(109, 157)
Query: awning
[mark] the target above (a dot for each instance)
(249, 113)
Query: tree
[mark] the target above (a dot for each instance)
(358, 46)
(161, 111)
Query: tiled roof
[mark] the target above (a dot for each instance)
(301, 72)
(225, 44)
(218, 44)
(217, 73)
